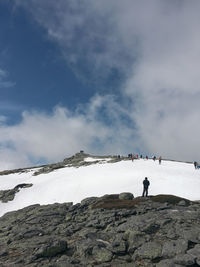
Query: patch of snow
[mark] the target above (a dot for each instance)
(89, 159)
(72, 184)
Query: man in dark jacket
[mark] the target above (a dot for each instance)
(146, 184)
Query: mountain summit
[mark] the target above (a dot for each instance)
(83, 175)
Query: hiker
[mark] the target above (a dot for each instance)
(132, 157)
(195, 164)
(154, 158)
(141, 156)
(147, 157)
(146, 184)
(160, 159)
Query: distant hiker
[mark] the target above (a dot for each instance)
(141, 156)
(136, 156)
(132, 157)
(147, 157)
(160, 159)
(118, 156)
(146, 184)
(154, 158)
(195, 164)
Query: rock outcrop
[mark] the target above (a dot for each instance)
(77, 161)
(9, 195)
(157, 231)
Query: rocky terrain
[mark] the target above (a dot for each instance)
(76, 160)
(113, 230)
(9, 195)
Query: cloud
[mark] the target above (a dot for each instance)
(2, 119)
(4, 82)
(52, 137)
(154, 45)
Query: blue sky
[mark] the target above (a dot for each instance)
(40, 78)
(103, 76)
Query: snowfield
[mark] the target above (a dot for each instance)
(72, 184)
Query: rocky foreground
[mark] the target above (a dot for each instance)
(114, 230)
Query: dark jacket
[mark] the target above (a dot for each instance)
(146, 183)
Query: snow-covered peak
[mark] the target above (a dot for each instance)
(72, 184)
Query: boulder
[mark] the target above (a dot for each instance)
(52, 249)
(126, 196)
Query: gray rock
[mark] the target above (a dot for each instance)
(118, 246)
(126, 196)
(134, 239)
(195, 252)
(52, 249)
(89, 201)
(101, 254)
(165, 263)
(192, 234)
(174, 247)
(60, 235)
(185, 260)
(9, 195)
(182, 203)
(149, 250)
(3, 252)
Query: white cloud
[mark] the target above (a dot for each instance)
(2, 119)
(4, 82)
(52, 137)
(156, 45)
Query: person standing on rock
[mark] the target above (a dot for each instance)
(146, 184)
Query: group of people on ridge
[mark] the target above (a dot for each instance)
(132, 157)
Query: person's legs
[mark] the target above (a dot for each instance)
(146, 192)
(143, 192)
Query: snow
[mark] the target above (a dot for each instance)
(89, 159)
(72, 184)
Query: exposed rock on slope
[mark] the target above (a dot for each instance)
(9, 195)
(76, 161)
(157, 231)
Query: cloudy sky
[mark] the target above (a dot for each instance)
(105, 77)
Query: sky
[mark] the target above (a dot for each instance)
(106, 77)
(72, 184)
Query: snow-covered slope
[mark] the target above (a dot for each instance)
(72, 184)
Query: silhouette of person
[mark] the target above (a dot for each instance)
(146, 184)
(195, 165)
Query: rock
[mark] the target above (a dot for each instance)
(134, 239)
(182, 203)
(174, 247)
(52, 249)
(141, 232)
(118, 246)
(195, 252)
(9, 195)
(22, 186)
(149, 250)
(3, 252)
(89, 201)
(185, 259)
(165, 263)
(101, 255)
(192, 235)
(126, 196)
